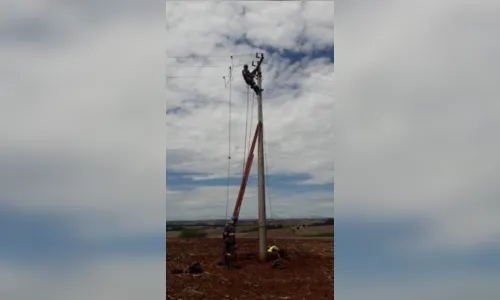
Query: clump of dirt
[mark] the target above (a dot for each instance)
(195, 268)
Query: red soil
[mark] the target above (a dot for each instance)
(309, 274)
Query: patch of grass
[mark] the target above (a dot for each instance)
(329, 221)
(251, 229)
(254, 229)
(174, 228)
(325, 234)
(192, 233)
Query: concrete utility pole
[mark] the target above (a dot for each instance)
(261, 178)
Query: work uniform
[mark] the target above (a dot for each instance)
(229, 242)
(248, 77)
(229, 237)
(278, 262)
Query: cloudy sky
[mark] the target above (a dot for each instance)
(297, 40)
(82, 161)
(416, 116)
(82, 129)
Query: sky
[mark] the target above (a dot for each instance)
(83, 130)
(211, 117)
(82, 161)
(416, 115)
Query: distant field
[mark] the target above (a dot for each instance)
(302, 231)
(173, 233)
(293, 232)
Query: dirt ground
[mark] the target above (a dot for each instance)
(308, 274)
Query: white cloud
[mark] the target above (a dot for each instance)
(82, 119)
(416, 118)
(460, 285)
(209, 202)
(143, 278)
(197, 141)
(197, 138)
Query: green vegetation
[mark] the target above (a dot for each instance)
(272, 226)
(329, 221)
(251, 229)
(192, 233)
(254, 229)
(174, 227)
(325, 234)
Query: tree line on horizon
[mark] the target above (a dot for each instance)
(179, 227)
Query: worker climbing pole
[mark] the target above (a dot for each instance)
(249, 76)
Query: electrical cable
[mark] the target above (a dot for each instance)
(204, 56)
(229, 144)
(246, 131)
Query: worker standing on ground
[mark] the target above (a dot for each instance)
(249, 76)
(279, 262)
(229, 241)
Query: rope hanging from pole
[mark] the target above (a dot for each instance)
(229, 140)
(246, 132)
(251, 115)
